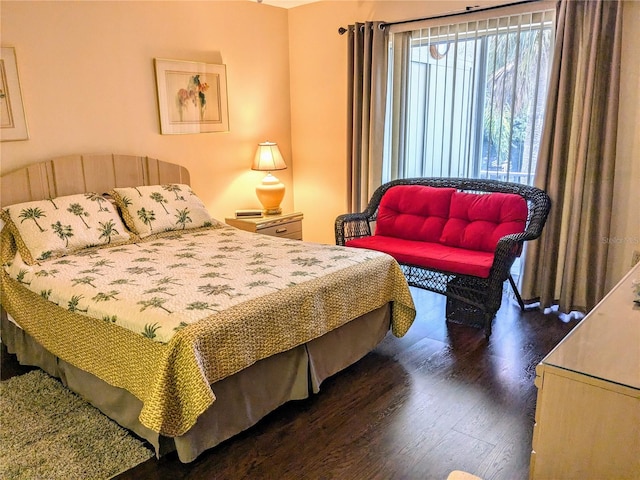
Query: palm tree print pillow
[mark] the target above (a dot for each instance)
(159, 208)
(51, 228)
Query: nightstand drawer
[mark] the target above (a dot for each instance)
(286, 230)
(288, 225)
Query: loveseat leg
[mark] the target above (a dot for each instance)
(516, 292)
(488, 322)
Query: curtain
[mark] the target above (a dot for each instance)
(567, 265)
(396, 142)
(367, 56)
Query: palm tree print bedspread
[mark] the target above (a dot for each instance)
(196, 307)
(159, 287)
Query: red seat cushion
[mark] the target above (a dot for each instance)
(429, 255)
(414, 212)
(478, 221)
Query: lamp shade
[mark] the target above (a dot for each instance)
(268, 158)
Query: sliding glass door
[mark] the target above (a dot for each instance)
(467, 99)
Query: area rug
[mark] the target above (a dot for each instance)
(48, 432)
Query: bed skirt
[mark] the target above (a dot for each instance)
(241, 399)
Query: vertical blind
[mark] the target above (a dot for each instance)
(467, 99)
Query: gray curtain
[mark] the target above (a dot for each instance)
(367, 92)
(567, 265)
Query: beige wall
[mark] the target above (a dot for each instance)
(318, 98)
(88, 82)
(318, 64)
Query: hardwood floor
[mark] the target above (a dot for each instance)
(439, 399)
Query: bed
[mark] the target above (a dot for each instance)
(182, 329)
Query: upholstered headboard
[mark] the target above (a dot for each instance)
(86, 173)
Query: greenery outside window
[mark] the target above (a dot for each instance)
(468, 99)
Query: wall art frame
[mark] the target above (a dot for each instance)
(13, 121)
(192, 97)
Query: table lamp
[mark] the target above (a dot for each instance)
(271, 191)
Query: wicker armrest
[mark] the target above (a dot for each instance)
(507, 249)
(350, 226)
(510, 246)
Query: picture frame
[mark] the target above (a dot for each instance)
(13, 121)
(192, 97)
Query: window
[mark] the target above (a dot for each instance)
(467, 99)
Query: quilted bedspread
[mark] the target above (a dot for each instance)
(167, 317)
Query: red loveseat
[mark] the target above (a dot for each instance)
(458, 237)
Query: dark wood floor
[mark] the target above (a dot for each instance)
(439, 399)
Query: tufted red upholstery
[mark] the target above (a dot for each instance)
(429, 255)
(414, 212)
(478, 221)
(469, 256)
(443, 229)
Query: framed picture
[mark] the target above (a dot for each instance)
(13, 123)
(192, 97)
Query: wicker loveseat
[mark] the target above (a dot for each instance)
(454, 236)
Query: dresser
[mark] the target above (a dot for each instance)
(587, 422)
(288, 225)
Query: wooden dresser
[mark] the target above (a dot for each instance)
(588, 409)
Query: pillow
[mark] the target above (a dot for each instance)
(479, 221)
(159, 208)
(52, 228)
(414, 212)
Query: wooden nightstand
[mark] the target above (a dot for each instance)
(288, 225)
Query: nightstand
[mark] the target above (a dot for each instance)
(288, 225)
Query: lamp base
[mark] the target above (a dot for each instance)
(270, 193)
(273, 211)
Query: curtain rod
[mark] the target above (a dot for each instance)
(469, 9)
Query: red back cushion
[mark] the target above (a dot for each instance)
(414, 212)
(477, 221)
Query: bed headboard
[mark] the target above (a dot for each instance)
(86, 173)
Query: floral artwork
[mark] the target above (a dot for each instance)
(192, 97)
(194, 94)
